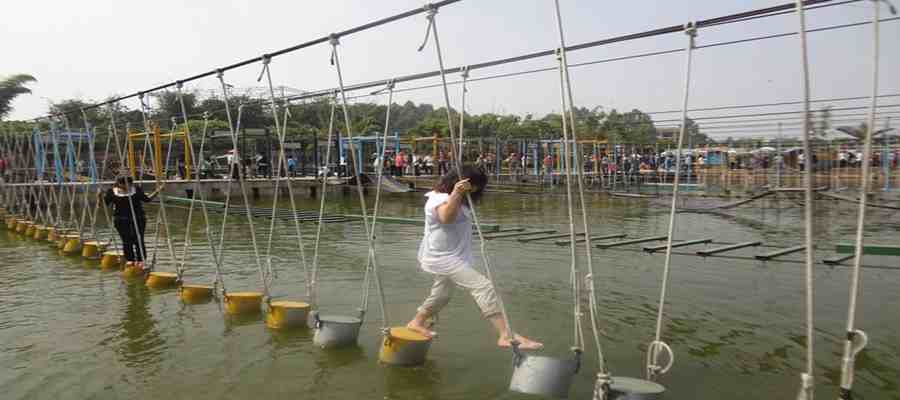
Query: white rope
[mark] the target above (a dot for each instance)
(235, 160)
(282, 163)
(602, 381)
(162, 217)
(807, 388)
(195, 164)
(431, 14)
(234, 143)
(379, 170)
(657, 346)
(574, 274)
(123, 160)
(851, 347)
(357, 173)
(314, 280)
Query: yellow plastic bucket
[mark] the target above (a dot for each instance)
(243, 302)
(72, 244)
(93, 249)
(112, 259)
(404, 347)
(131, 270)
(29, 229)
(195, 293)
(40, 232)
(287, 314)
(53, 234)
(22, 225)
(162, 280)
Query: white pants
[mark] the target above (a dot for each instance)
(468, 278)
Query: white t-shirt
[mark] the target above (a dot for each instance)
(446, 248)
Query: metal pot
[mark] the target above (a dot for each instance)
(545, 376)
(336, 330)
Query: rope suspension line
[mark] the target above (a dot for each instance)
(430, 15)
(124, 161)
(807, 388)
(568, 103)
(379, 170)
(281, 129)
(314, 278)
(221, 76)
(357, 173)
(657, 346)
(857, 339)
(195, 161)
(160, 173)
(196, 189)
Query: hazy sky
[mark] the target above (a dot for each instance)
(92, 49)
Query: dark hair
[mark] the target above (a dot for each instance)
(475, 176)
(121, 181)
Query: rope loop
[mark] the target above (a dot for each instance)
(601, 386)
(653, 352)
(858, 346)
(430, 12)
(464, 71)
(179, 84)
(806, 385)
(220, 73)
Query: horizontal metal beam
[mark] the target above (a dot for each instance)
(515, 234)
(779, 253)
(632, 241)
(603, 237)
(717, 250)
(652, 249)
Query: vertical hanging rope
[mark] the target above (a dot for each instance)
(98, 189)
(195, 161)
(234, 143)
(657, 346)
(162, 219)
(124, 160)
(432, 24)
(856, 338)
(574, 275)
(807, 388)
(603, 379)
(357, 172)
(281, 130)
(379, 170)
(314, 279)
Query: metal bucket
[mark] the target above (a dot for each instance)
(287, 314)
(22, 225)
(544, 376)
(402, 346)
(336, 330)
(623, 388)
(29, 230)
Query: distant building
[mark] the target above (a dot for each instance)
(670, 134)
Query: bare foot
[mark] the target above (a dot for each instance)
(421, 329)
(524, 343)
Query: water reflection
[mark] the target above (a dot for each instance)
(423, 382)
(140, 344)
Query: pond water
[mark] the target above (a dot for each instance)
(71, 331)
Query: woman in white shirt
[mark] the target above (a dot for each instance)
(446, 253)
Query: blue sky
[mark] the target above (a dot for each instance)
(95, 48)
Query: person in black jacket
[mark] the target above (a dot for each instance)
(129, 219)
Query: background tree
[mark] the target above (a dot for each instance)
(10, 88)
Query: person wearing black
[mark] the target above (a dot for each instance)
(129, 219)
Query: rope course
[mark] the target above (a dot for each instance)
(37, 203)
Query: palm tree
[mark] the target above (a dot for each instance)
(11, 87)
